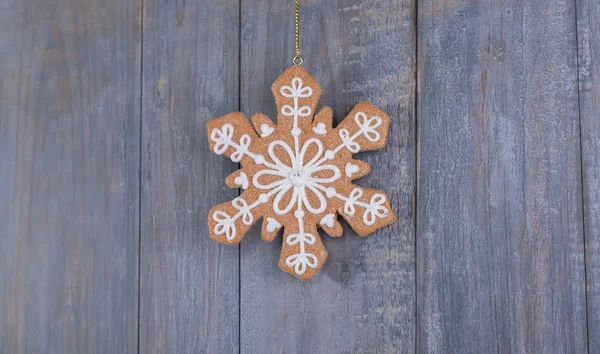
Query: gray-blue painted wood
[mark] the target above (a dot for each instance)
(588, 34)
(69, 176)
(504, 167)
(189, 284)
(499, 209)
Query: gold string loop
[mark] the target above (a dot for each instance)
(298, 60)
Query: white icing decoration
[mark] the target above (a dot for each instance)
(330, 192)
(241, 149)
(375, 209)
(351, 169)
(226, 223)
(222, 138)
(368, 126)
(241, 205)
(266, 130)
(301, 260)
(242, 180)
(296, 91)
(351, 200)
(320, 129)
(328, 220)
(348, 141)
(263, 198)
(272, 225)
(259, 159)
(298, 177)
(372, 210)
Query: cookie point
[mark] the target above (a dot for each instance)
(329, 154)
(299, 214)
(296, 131)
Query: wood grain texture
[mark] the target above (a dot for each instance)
(69, 173)
(588, 34)
(189, 284)
(363, 298)
(499, 219)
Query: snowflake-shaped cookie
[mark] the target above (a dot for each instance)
(298, 174)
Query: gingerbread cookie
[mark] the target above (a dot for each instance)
(297, 174)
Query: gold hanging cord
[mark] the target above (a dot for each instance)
(298, 60)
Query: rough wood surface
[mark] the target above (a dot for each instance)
(69, 159)
(499, 221)
(507, 207)
(189, 284)
(363, 298)
(588, 34)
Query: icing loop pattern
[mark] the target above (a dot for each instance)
(244, 210)
(241, 148)
(352, 200)
(296, 91)
(368, 126)
(225, 225)
(375, 210)
(297, 182)
(300, 261)
(222, 138)
(295, 170)
(290, 111)
(348, 141)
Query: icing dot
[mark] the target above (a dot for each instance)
(329, 154)
(259, 159)
(330, 192)
(299, 214)
(296, 178)
(296, 131)
(263, 198)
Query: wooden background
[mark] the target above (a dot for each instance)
(492, 164)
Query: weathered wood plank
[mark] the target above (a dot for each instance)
(588, 25)
(189, 284)
(363, 298)
(69, 176)
(499, 219)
